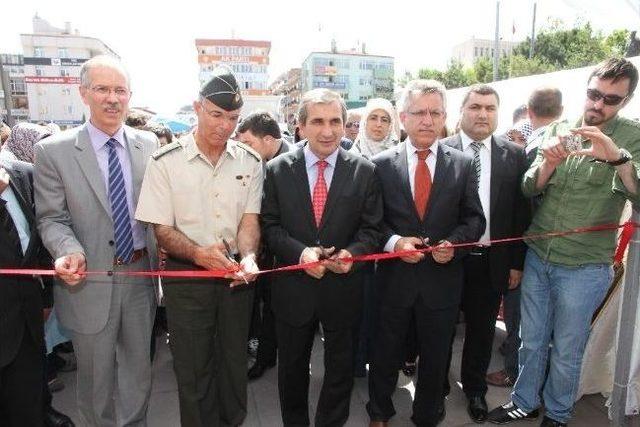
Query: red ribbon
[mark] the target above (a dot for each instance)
(627, 232)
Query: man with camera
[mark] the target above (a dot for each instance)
(583, 182)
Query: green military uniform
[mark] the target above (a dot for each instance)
(208, 321)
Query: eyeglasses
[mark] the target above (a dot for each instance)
(120, 92)
(350, 125)
(435, 114)
(595, 95)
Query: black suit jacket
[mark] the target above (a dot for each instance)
(20, 296)
(454, 213)
(351, 221)
(509, 210)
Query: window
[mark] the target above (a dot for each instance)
(17, 86)
(39, 71)
(38, 52)
(64, 72)
(342, 63)
(62, 52)
(68, 109)
(66, 91)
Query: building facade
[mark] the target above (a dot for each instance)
(358, 77)
(249, 60)
(14, 104)
(288, 85)
(468, 52)
(52, 60)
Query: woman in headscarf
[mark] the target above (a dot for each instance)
(378, 128)
(24, 136)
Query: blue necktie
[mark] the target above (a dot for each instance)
(119, 206)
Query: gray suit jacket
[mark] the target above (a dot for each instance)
(73, 215)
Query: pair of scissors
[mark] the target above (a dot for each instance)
(424, 244)
(324, 254)
(227, 248)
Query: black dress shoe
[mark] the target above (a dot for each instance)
(477, 409)
(258, 369)
(53, 418)
(548, 422)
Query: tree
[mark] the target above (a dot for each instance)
(454, 76)
(565, 48)
(556, 48)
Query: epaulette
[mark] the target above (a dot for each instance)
(250, 150)
(166, 149)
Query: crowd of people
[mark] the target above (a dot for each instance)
(120, 195)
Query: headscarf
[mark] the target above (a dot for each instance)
(366, 146)
(22, 139)
(523, 127)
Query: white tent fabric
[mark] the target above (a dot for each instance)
(599, 362)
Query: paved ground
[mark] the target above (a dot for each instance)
(264, 408)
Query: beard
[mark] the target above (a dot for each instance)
(595, 118)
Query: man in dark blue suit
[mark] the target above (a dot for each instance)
(430, 195)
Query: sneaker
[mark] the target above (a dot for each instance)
(509, 412)
(548, 422)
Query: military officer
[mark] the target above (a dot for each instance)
(202, 194)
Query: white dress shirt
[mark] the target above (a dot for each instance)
(15, 210)
(412, 164)
(484, 189)
(311, 163)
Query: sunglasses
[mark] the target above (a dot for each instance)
(350, 125)
(595, 95)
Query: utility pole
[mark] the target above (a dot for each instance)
(496, 44)
(533, 31)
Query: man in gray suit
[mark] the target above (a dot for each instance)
(87, 181)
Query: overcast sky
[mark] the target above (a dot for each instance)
(156, 41)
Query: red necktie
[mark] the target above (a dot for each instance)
(422, 183)
(319, 192)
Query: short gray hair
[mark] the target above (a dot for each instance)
(106, 61)
(319, 96)
(421, 87)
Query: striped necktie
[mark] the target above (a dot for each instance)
(475, 146)
(123, 234)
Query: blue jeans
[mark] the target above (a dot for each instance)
(557, 304)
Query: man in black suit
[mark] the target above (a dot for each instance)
(260, 131)
(22, 387)
(430, 195)
(490, 270)
(320, 203)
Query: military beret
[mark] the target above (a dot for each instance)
(222, 89)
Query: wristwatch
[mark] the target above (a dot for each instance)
(625, 156)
